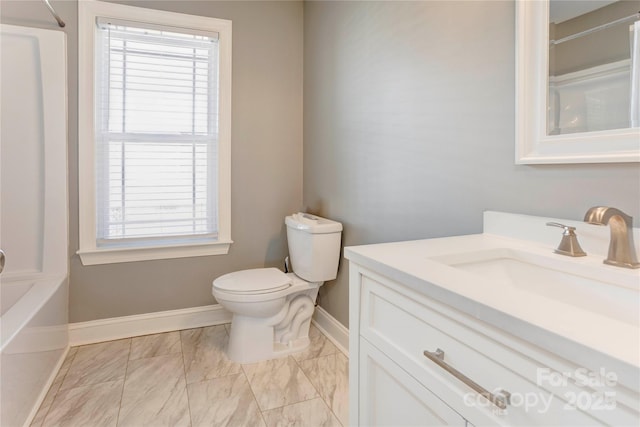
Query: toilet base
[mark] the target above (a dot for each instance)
(254, 339)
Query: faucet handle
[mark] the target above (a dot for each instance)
(567, 228)
(569, 244)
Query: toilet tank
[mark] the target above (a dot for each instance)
(314, 246)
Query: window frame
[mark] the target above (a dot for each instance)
(152, 249)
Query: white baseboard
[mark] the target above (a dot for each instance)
(337, 333)
(144, 324)
(95, 331)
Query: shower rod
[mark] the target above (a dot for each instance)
(633, 17)
(53, 12)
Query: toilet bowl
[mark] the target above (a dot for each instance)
(269, 313)
(271, 309)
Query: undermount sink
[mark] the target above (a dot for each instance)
(594, 288)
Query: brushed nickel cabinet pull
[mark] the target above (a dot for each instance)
(501, 400)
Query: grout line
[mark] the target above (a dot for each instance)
(55, 394)
(308, 400)
(184, 373)
(295, 403)
(310, 382)
(328, 404)
(253, 394)
(332, 412)
(124, 380)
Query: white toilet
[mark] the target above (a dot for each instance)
(272, 310)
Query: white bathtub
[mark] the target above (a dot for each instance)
(35, 340)
(33, 218)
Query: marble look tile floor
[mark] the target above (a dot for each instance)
(184, 378)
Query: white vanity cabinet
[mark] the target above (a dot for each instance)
(393, 321)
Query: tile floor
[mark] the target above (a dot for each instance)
(184, 378)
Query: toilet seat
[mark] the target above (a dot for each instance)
(255, 281)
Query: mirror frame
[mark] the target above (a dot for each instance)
(533, 145)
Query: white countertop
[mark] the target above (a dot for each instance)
(586, 337)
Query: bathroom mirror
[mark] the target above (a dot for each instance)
(578, 78)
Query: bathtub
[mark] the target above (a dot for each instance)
(33, 218)
(35, 340)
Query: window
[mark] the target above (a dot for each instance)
(154, 134)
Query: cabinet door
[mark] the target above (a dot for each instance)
(391, 397)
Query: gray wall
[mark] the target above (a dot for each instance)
(409, 127)
(266, 158)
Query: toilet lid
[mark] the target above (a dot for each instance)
(254, 281)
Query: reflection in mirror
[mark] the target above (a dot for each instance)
(594, 65)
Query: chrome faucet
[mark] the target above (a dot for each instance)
(622, 252)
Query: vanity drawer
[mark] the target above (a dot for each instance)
(404, 324)
(394, 398)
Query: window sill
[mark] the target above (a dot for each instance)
(97, 256)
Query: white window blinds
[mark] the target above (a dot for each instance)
(156, 132)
